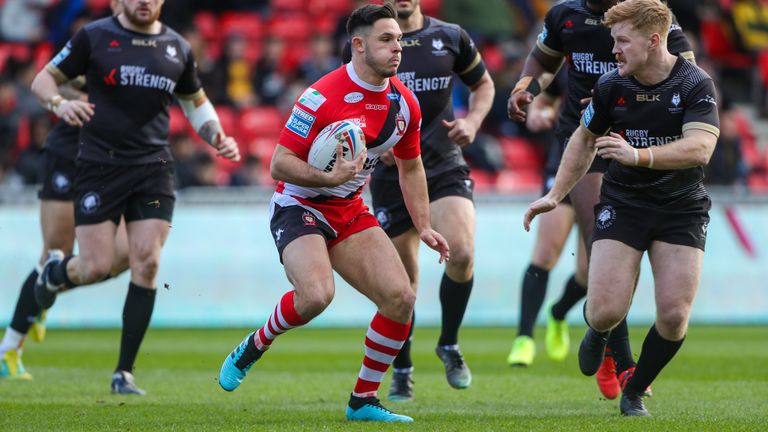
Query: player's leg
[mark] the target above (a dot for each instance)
(401, 389)
(676, 273)
(368, 261)
(301, 237)
(392, 215)
(120, 261)
(454, 217)
(58, 229)
(551, 235)
(612, 272)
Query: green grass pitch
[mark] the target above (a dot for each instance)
(718, 382)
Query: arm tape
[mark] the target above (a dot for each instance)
(198, 116)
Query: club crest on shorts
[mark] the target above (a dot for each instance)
(382, 215)
(60, 182)
(90, 202)
(309, 219)
(605, 217)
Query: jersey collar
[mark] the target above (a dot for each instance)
(357, 80)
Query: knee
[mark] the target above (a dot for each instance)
(672, 322)
(603, 318)
(311, 301)
(93, 269)
(145, 264)
(462, 258)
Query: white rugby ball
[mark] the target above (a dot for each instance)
(322, 153)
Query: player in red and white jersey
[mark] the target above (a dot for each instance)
(320, 223)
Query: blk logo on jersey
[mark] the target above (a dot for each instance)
(648, 97)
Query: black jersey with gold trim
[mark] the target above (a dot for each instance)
(132, 79)
(574, 31)
(648, 116)
(432, 57)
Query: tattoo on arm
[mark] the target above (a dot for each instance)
(209, 130)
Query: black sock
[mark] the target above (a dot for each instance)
(656, 353)
(454, 297)
(621, 351)
(531, 297)
(58, 273)
(26, 307)
(137, 312)
(403, 359)
(572, 293)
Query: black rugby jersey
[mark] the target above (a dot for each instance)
(654, 116)
(132, 78)
(574, 31)
(431, 57)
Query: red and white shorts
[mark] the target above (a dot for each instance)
(333, 218)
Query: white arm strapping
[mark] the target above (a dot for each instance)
(198, 116)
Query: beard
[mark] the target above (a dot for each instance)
(140, 21)
(381, 71)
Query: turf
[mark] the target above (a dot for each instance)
(718, 381)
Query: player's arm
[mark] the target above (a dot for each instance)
(413, 183)
(693, 150)
(46, 86)
(576, 160)
(463, 131)
(538, 72)
(204, 119)
(288, 166)
(542, 114)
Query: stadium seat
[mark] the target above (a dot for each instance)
(484, 181)
(291, 27)
(178, 123)
(519, 181)
(288, 5)
(332, 7)
(431, 7)
(247, 24)
(260, 122)
(207, 25)
(519, 153)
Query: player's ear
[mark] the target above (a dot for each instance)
(358, 44)
(654, 41)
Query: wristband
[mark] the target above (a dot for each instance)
(54, 102)
(637, 156)
(528, 84)
(650, 155)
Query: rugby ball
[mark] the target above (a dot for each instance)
(322, 153)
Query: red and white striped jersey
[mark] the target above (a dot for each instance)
(389, 115)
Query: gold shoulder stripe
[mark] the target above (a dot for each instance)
(472, 65)
(198, 94)
(58, 75)
(547, 50)
(702, 126)
(689, 55)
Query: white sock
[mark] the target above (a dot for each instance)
(11, 340)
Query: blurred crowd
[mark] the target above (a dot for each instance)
(256, 56)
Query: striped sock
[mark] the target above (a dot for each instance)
(382, 343)
(282, 319)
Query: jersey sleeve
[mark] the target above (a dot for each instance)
(308, 118)
(189, 86)
(469, 65)
(72, 60)
(549, 40)
(701, 108)
(676, 41)
(596, 117)
(409, 146)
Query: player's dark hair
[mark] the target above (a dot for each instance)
(364, 17)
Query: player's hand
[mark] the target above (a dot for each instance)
(227, 147)
(75, 112)
(613, 146)
(461, 131)
(436, 241)
(345, 170)
(541, 205)
(516, 104)
(387, 158)
(541, 119)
